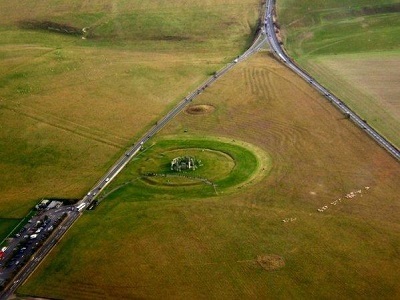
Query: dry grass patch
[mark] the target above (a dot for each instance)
(271, 262)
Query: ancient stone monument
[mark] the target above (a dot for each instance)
(183, 163)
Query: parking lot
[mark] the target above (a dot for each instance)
(22, 246)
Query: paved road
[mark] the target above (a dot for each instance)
(74, 212)
(276, 47)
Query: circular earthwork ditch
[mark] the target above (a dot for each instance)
(224, 165)
(200, 109)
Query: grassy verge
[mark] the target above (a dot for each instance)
(6, 225)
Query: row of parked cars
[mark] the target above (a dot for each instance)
(31, 237)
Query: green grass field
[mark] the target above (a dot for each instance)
(211, 26)
(266, 240)
(227, 167)
(314, 28)
(352, 47)
(6, 226)
(70, 106)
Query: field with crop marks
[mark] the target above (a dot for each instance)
(353, 48)
(323, 222)
(81, 80)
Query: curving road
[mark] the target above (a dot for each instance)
(278, 51)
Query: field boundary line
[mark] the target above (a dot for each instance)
(66, 128)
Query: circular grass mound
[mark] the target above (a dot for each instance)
(223, 166)
(271, 262)
(200, 109)
(214, 166)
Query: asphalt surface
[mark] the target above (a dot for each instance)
(32, 256)
(269, 28)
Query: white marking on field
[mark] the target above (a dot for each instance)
(348, 196)
(286, 220)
